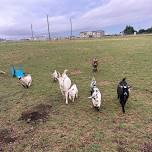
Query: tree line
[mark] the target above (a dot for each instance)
(130, 30)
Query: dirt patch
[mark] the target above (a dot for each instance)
(37, 113)
(121, 149)
(107, 59)
(120, 129)
(86, 138)
(7, 136)
(144, 90)
(75, 72)
(121, 145)
(146, 147)
(105, 83)
(148, 91)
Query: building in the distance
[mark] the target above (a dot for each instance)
(92, 34)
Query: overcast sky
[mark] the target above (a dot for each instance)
(109, 15)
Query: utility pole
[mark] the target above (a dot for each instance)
(32, 32)
(71, 27)
(48, 24)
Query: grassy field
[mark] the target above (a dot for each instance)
(77, 127)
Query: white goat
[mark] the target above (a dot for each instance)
(55, 75)
(92, 85)
(26, 80)
(96, 98)
(73, 92)
(65, 84)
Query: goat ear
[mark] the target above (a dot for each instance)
(129, 87)
(90, 97)
(124, 79)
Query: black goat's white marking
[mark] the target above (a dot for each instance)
(123, 93)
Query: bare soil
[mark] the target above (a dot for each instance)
(37, 113)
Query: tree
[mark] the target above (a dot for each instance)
(149, 30)
(141, 31)
(145, 31)
(129, 30)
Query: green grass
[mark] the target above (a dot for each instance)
(76, 127)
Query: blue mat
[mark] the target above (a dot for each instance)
(19, 73)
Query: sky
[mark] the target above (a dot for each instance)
(16, 16)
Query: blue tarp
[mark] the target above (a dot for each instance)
(19, 73)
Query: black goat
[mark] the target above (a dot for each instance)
(123, 93)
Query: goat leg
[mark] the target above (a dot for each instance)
(66, 97)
